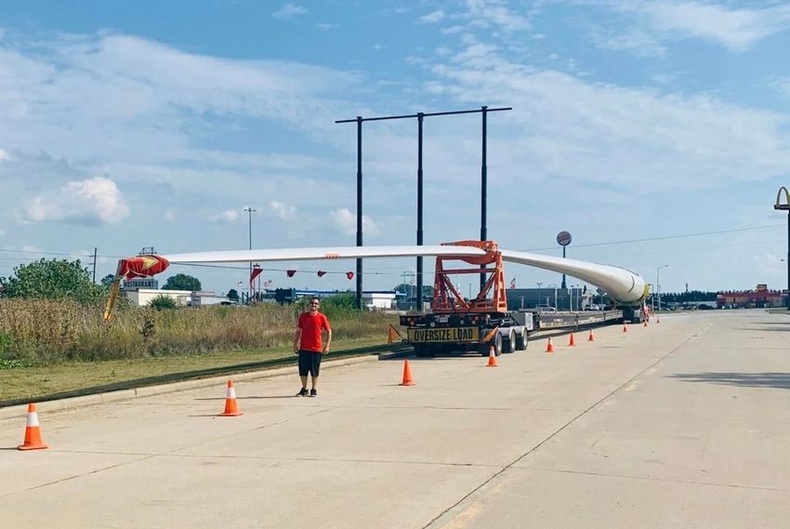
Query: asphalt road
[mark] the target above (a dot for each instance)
(681, 424)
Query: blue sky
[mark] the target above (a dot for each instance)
(657, 133)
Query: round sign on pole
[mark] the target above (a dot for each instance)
(564, 238)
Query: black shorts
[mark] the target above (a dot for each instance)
(309, 363)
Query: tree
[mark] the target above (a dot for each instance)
(182, 282)
(107, 280)
(161, 302)
(233, 294)
(54, 279)
(406, 288)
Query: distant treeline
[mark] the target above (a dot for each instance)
(688, 297)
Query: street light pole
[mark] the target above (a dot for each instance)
(250, 210)
(539, 284)
(555, 296)
(780, 206)
(658, 285)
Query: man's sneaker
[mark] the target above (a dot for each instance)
(302, 392)
(313, 393)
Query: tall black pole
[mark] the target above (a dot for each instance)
(420, 119)
(358, 298)
(778, 205)
(563, 275)
(484, 187)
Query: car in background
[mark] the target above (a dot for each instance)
(545, 308)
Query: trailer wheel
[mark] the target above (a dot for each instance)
(509, 343)
(496, 342)
(521, 340)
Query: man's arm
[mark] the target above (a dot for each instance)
(328, 338)
(297, 337)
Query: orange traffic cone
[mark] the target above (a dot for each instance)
(33, 439)
(591, 338)
(549, 346)
(625, 327)
(231, 409)
(572, 341)
(492, 361)
(407, 380)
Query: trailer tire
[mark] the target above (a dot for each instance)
(521, 340)
(496, 342)
(509, 343)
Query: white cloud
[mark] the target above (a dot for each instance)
(164, 100)
(229, 215)
(345, 222)
(431, 18)
(170, 214)
(782, 85)
(496, 13)
(735, 29)
(289, 11)
(94, 200)
(3, 155)
(636, 40)
(598, 132)
(282, 211)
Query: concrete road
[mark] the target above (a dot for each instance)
(681, 424)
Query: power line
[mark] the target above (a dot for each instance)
(666, 237)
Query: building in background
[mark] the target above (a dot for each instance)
(760, 297)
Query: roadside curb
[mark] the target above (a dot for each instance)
(53, 406)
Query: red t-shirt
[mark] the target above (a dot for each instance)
(311, 326)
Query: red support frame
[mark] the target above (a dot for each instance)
(491, 298)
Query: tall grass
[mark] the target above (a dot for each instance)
(41, 332)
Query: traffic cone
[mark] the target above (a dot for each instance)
(591, 338)
(231, 409)
(549, 346)
(492, 361)
(625, 327)
(407, 380)
(572, 341)
(33, 439)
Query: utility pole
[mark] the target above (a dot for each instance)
(95, 250)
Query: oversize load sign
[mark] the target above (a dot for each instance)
(457, 334)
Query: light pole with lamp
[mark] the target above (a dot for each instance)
(779, 206)
(539, 284)
(553, 285)
(658, 286)
(250, 210)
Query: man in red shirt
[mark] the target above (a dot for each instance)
(310, 346)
